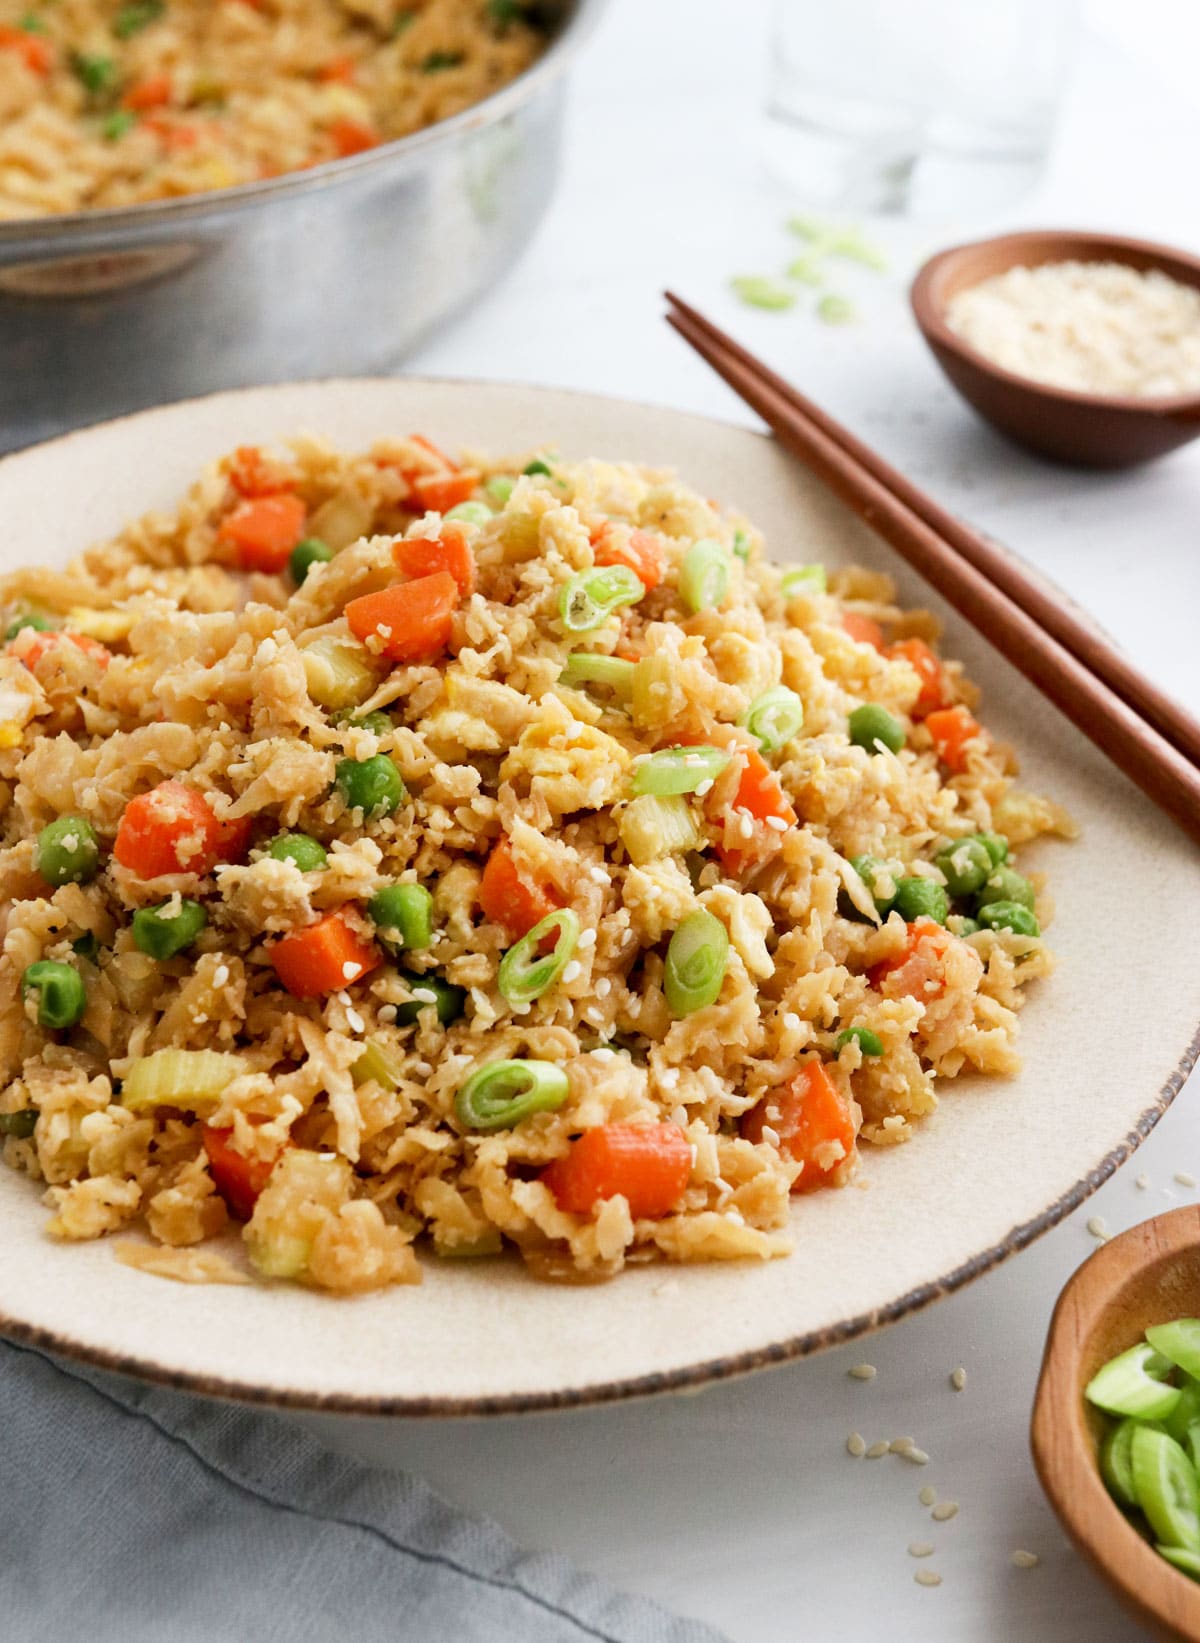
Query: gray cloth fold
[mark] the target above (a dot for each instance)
(148, 1516)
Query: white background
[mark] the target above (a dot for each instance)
(741, 1505)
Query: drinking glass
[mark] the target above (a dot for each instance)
(928, 106)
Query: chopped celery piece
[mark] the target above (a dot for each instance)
(651, 827)
(179, 1078)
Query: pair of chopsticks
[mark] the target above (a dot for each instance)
(1141, 730)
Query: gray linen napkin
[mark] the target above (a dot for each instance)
(134, 1514)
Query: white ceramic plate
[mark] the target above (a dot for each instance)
(1107, 1041)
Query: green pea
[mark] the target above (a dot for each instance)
(920, 898)
(67, 851)
(996, 846)
(379, 724)
(308, 854)
(965, 864)
(1009, 915)
(312, 551)
(960, 926)
(95, 73)
(20, 1125)
(374, 786)
(1006, 885)
(427, 990)
(403, 915)
(868, 1042)
(168, 928)
(871, 724)
(114, 126)
(500, 487)
(31, 619)
(537, 466)
(59, 992)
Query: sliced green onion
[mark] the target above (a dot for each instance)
(501, 1095)
(774, 718)
(376, 1065)
(403, 915)
(1166, 1488)
(58, 990)
(585, 669)
(131, 19)
(807, 579)
(526, 972)
(678, 770)
(759, 291)
(741, 547)
(1116, 1464)
(592, 596)
(704, 575)
(471, 513)
(696, 961)
(868, 1042)
(1180, 1342)
(95, 73)
(1134, 1383)
(835, 309)
(500, 487)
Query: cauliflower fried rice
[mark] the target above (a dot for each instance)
(404, 853)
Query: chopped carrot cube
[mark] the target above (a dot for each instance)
(322, 957)
(36, 53)
(814, 1125)
(928, 669)
(864, 630)
(263, 530)
(641, 553)
(952, 729)
(425, 556)
(917, 971)
(352, 137)
(509, 899)
(443, 491)
(238, 1179)
(408, 622)
(154, 92)
(646, 1164)
(172, 829)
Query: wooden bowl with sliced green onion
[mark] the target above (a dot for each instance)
(1143, 1280)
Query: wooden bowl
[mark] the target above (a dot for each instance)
(1086, 430)
(1147, 1275)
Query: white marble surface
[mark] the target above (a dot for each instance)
(741, 1505)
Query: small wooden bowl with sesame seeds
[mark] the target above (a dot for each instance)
(1145, 1276)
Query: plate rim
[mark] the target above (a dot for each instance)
(688, 1376)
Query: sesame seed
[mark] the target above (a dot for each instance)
(424, 995)
(1096, 1226)
(863, 1372)
(573, 971)
(704, 787)
(1143, 1182)
(901, 1446)
(1025, 1560)
(387, 1013)
(745, 826)
(918, 1457)
(856, 1445)
(791, 1021)
(777, 823)
(1184, 1178)
(877, 1450)
(920, 1548)
(603, 987)
(522, 1008)
(354, 1021)
(927, 1577)
(944, 1512)
(928, 1495)
(958, 1378)
(587, 938)
(220, 975)
(594, 1015)
(770, 1135)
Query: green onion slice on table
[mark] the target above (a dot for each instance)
(590, 598)
(774, 718)
(704, 575)
(526, 972)
(678, 770)
(696, 959)
(504, 1093)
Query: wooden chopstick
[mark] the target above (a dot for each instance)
(1003, 571)
(1163, 773)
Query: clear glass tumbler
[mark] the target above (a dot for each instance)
(929, 106)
